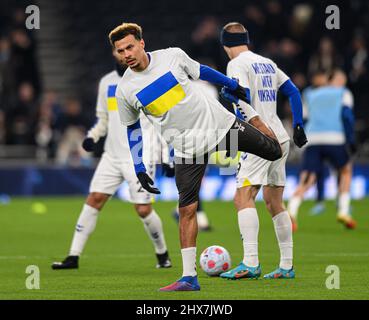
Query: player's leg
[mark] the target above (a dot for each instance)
(340, 159)
(319, 206)
(154, 229)
(248, 223)
(151, 220)
(312, 161)
(251, 175)
(244, 137)
(188, 180)
(307, 180)
(202, 218)
(273, 197)
(104, 183)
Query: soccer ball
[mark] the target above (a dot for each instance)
(214, 260)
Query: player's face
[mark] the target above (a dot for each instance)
(117, 57)
(131, 51)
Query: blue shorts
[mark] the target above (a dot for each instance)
(316, 155)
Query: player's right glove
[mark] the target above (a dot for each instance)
(88, 144)
(168, 170)
(299, 136)
(146, 182)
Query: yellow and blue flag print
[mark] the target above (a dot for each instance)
(112, 100)
(161, 95)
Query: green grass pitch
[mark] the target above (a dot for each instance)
(119, 261)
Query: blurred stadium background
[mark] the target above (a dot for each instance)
(49, 77)
(48, 87)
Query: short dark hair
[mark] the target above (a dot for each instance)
(124, 30)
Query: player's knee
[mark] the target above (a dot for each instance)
(97, 200)
(243, 199)
(346, 169)
(188, 211)
(143, 210)
(274, 207)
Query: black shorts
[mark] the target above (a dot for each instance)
(188, 178)
(242, 136)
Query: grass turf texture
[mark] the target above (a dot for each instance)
(119, 261)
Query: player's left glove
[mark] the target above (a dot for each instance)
(168, 170)
(299, 136)
(240, 92)
(88, 144)
(146, 182)
(228, 95)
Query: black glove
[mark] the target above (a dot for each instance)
(240, 93)
(299, 136)
(146, 182)
(88, 144)
(167, 170)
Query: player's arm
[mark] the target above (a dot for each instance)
(100, 128)
(130, 118)
(288, 88)
(348, 120)
(203, 72)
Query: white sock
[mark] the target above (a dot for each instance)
(283, 231)
(189, 261)
(85, 226)
(248, 222)
(293, 206)
(344, 203)
(202, 219)
(154, 228)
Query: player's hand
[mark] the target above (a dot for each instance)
(168, 170)
(227, 94)
(299, 136)
(241, 93)
(146, 182)
(88, 144)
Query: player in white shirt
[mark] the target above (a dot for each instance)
(263, 79)
(158, 85)
(114, 168)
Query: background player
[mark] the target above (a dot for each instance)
(330, 129)
(158, 84)
(115, 167)
(263, 79)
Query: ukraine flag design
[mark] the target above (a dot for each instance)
(112, 100)
(161, 95)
